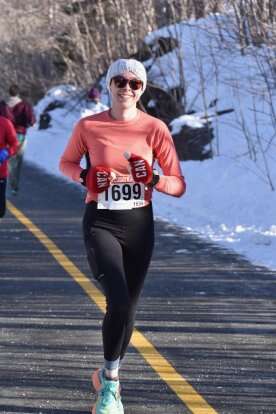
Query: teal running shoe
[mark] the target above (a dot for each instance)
(109, 399)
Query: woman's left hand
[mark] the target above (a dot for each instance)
(140, 169)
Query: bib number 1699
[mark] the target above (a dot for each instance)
(123, 192)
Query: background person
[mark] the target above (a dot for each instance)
(93, 106)
(123, 144)
(23, 118)
(93, 103)
(8, 147)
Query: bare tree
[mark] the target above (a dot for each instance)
(71, 41)
(255, 21)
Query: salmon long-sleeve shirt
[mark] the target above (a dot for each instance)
(106, 140)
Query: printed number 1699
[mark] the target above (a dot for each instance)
(123, 192)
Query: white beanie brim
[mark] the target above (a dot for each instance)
(127, 65)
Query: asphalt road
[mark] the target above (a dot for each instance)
(209, 312)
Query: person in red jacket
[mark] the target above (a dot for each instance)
(8, 147)
(23, 118)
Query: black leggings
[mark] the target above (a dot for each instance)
(3, 184)
(119, 246)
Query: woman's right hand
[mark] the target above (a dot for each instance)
(97, 179)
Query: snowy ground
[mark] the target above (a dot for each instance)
(228, 198)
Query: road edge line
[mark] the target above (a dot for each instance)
(165, 370)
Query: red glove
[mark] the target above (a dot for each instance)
(140, 169)
(98, 178)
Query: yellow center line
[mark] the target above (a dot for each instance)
(185, 392)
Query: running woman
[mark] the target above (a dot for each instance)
(123, 143)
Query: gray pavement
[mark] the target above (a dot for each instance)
(207, 310)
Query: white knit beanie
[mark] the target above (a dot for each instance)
(127, 65)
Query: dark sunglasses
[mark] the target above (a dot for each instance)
(121, 82)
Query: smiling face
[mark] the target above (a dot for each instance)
(126, 97)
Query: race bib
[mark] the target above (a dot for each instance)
(122, 196)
